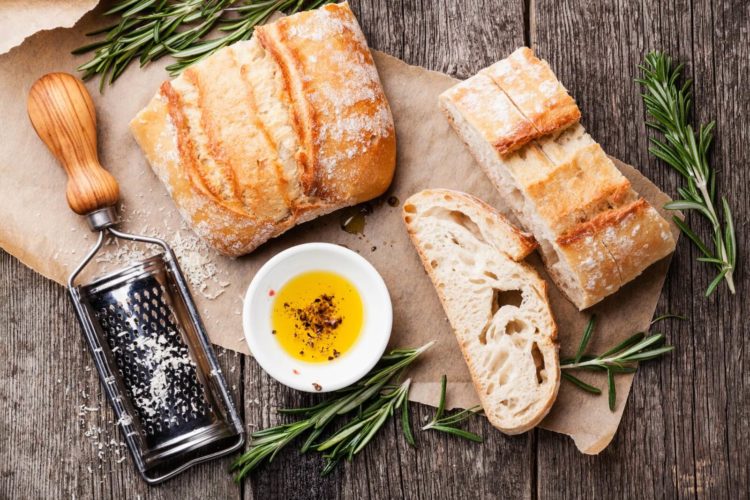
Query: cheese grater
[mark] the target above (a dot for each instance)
(149, 345)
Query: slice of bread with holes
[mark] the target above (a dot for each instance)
(496, 303)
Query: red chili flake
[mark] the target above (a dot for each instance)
(271, 293)
(295, 371)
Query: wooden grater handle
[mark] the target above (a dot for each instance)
(62, 113)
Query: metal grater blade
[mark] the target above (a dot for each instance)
(159, 371)
(155, 364)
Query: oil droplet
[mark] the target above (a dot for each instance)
(393, 201)
(353, 219)
(353, 223)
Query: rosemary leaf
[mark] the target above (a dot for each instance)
(625, 344)
(406, 425)
(150, 29)
(668, 316)
(669, 108)
(586, 338)
(622, 358)
(580, 383)
(446, 424)
(458, 432)
(374, 396)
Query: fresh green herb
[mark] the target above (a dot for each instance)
(622, 358)
(448, 424)
(687, 152)
(351, 438)
(374, 398)
(150, 29)
(667, 316)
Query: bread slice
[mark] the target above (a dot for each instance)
(595, 233)
(496, 303)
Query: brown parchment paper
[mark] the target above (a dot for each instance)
(38, 228)
(22, 18)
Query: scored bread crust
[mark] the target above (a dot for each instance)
(595, 233)
(274, 131)
(532, 86)
(497, 304)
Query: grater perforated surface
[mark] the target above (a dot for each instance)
(140, 327)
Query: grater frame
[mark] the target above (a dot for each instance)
(112, 383)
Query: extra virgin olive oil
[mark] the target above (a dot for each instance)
(317, 316)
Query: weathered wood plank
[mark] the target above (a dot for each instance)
(682, 410)
(54, 414)
(458, 38)
(685, 430)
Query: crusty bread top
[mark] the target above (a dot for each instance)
(534, 89)
(338, 101)
(497, 305)
(479, 100)
(514, 102)
(273, 131)
(594, 231)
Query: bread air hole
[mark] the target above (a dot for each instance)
(483, 333)
(410, 209)
(464, 220)
(433, 263)
(536, 354)
(502, 298)
(514, 326)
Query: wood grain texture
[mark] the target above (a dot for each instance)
(63, 115)
(685, 431)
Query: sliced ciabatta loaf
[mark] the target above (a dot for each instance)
(595, 232)
(496, 303)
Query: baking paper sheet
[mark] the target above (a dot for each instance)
(38, 228)
(22, 18)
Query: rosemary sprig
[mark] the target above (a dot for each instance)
(687, 152)
(150, 29)
(622, 358)
(373, 396)
(448, 424)
(351, 438)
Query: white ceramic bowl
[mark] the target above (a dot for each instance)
(351, 365)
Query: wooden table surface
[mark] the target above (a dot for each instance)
(686, 428)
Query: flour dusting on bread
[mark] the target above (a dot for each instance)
(556, 180)
(274, 131)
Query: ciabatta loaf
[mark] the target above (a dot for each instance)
(273, 131)
(496, 303)
(595, 232)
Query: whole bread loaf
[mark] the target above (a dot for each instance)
(274, 131)
(496, 303)
(595, 232)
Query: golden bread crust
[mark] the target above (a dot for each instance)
(595, 233)
(534, 89)
(335, 76)
(483, 105)
(272, 132)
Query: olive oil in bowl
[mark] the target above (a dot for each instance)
(317, 316)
